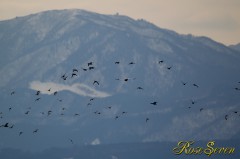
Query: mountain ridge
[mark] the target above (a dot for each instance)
(41, 50)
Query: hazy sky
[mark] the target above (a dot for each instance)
(218, 19)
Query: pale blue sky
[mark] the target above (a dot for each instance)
(217, 19)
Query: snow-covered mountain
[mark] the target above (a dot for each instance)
(194, 81)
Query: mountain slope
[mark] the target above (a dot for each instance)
(38, 49)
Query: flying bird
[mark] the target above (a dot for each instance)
(140, 88)
(201, 109)
(109, 107)
(193, 102)
(63, 76)
(35, 131)
(169, 68)
(226, 117)
(74, 74)
(131, 63)
(161, 61)
(27, 112)
(75, 70)
(84, 69)
(195, 85)
(49, 89)
(55, 93)
(91, 68)
(38, 92)
(71, 141)
(184, 83)
(20, 133)
(37, 99)
(49, 112)
(154, 103)
(13, 92)
(5, 125)
(147, 120)
(95, 82)
(117, 62)
(90, 63)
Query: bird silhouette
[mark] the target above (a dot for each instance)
(95, 82)
(76, 114)
(226, 117)
(55, 93)
(13, 92)
(71, 141)
(63, 76)
(184, 83)
(154, 103)
(20, 133)
(126, 79)
(90, 63)
(91, 99)
(169, 68)
(38, 92)
(5, 125)
(117, 62)
(124, 112)
(49, 112)
(84, 69)
(49, 89)
(131, 63)
(27, 112)
(237, 88)
(140, 88)
(109, 107)
(35, 131)
(116, 117)
(195, 85)
(201, 109)
(91, 68)
(74, 74)
(37, 99)
(75, 70)
(147, 120)
(9, 109)
(161, 61)
(193, 102)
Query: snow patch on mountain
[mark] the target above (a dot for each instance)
(77, 88)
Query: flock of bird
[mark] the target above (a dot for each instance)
(90, 66)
